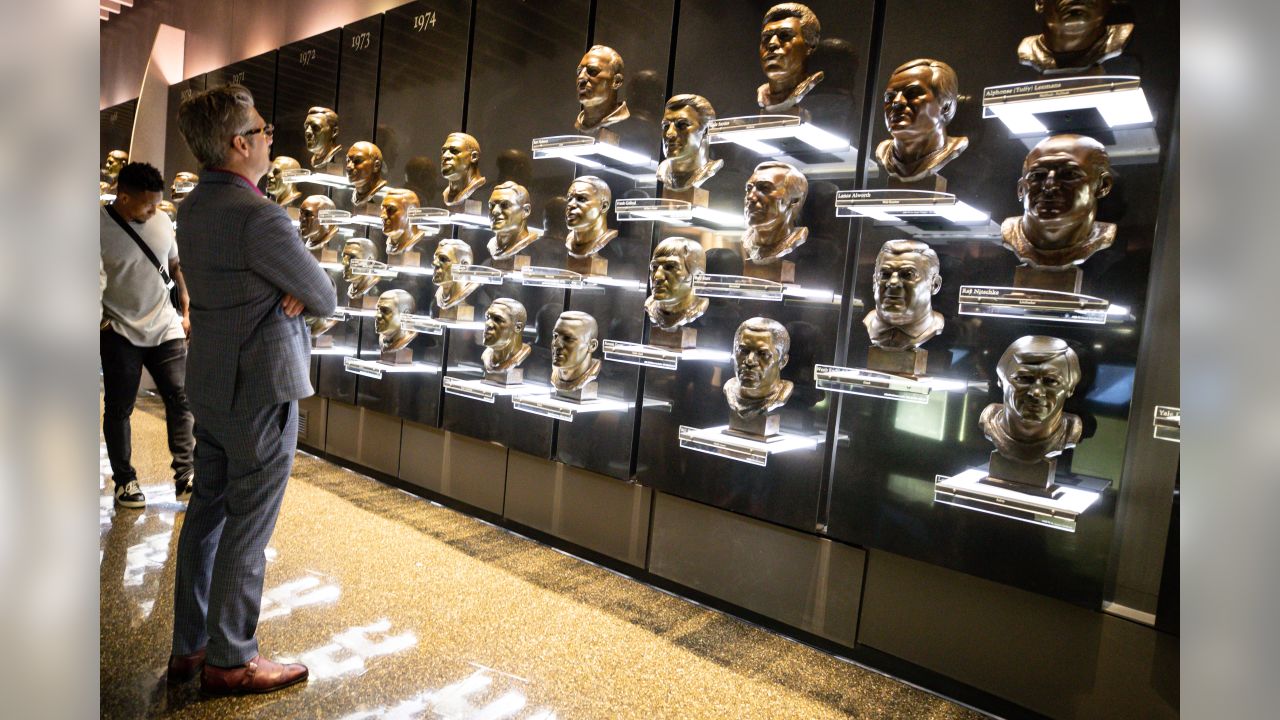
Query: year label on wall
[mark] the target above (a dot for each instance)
(306, 56)
(425, 20)
(362, 41)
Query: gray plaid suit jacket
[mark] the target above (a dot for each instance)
(240, 255)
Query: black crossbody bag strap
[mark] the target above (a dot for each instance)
(146, 250)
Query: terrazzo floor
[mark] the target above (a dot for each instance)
(403, 608)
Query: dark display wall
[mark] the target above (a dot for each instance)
(503, 71)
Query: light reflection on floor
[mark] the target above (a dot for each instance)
(405, 609)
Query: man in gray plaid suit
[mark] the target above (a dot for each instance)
(249, 278)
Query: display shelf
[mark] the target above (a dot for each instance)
(477, 274)
(676, 212)
(920, 213)
(418, 270)
(375, 369)
(1168, 423)
(337, 266)
(421, 324)
(597, 155)
(967, 490)
(433, 218)
(344, 217)
(182, 187)
(547, 405)
(660, 358)
(488, 392)
(860, 381)
(372, 268)
(536, 276)
(738, 286)
(334, 350)
(1058, 105)
(1032, 304)
(715, 441)
(344, 313)
(105, 198)
(812, 150)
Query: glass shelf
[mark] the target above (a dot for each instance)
(738, 286)
(920, 213)
(1168, 423)
(812, 150)
(1032, 304)
(967, 491)
(715, 441)
(303, 175)
(859, 381)
(487, 392)
(597, 155)
(343, 217)
(335, 350)
(547, 405)
(660, 358)
(375, 369)
(478, 274)
(1036, 108)
(676, 212)
(372, 268)
(421, 324)
(536, 276)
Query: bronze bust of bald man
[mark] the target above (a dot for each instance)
(1037, 374)
(599, 83)
(1076, 37)
(460, 166)
(391, 334)
(284, 193)
(364, 168)
(919, 102)
(788, 36)
(774, 196)
(314, 234)
(358, 249)
(1063, 177)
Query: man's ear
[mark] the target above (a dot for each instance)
(1040, 7)
(783, 361)
(937, 283)
(475, 156)
(526, 208)
(1022, 189)
(593, 344)
(617, 81)
(1105, 183)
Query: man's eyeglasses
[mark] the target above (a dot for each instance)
(267, 130)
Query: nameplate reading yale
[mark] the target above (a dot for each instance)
(1168, 423)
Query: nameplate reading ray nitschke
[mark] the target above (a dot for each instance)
(1028, 303)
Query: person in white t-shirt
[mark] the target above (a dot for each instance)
(142, 328)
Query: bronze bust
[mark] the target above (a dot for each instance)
(504, 347)
(599, 83)
(111, 167)
(364, 170)
(905, 281)
(450, 292)
(1063, 177)
(1076, 37)
(358, 249)
(1037, 374)
(687, 153)
(391, 334)
(182, 177)
(919, 102)
(313, 233)
(573, 341)
(401, 235)
(460, 166)
(788, 36)
(282, 192)
(586, 213)
(676, 263)
(509, 209)
(775, 194)
(320, 133)
(760, 352)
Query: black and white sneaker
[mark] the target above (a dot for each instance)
(184, 487)
(129, 495)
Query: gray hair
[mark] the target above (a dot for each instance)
(209, 120)
(701, 106)
(781, 338)
(518, 314)
(943, 79)
(810, 28)
(796, 183)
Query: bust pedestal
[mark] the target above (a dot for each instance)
(322, 341)
(409, 258)
(694, 196)
(511, 264)
(582, 394)
(403, 356)
(760, 427)
(1033, 478)
(782, 271)
(908, 363)
(1068, 280)
(587, 266)
(364, 302)
(513, 376)
(462, 312)
(931, 183)
(679, 338)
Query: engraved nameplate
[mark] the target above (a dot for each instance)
(1168, 423)
(421, 324)
(858, 381)
(367, 368)
(371, 268)
(472, 389)
(715, 441)
(638, 209)
(537, 276)
(637, 354)
(967, 490)
(333, 217)
(1045, 89)
(478, 274)
(737, 286)
(428, 216)
(1025, 303)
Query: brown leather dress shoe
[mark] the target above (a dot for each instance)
(185, 667)
(259, 675)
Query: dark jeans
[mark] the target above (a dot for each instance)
(122, 364)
